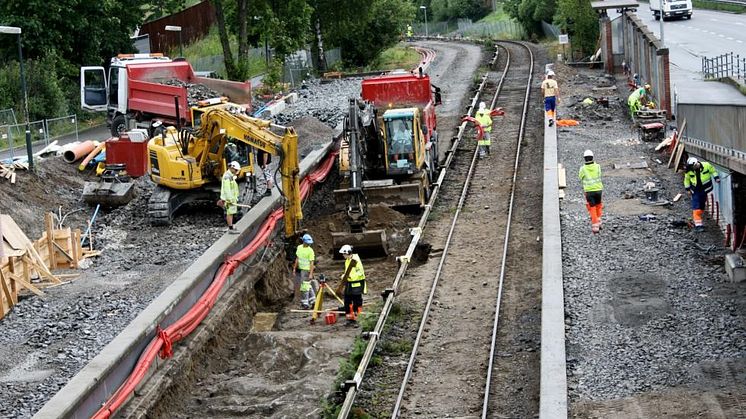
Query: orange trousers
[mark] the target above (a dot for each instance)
(596, 211)
(550, 114)
(697, 217)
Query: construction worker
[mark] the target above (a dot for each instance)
(590, 176)
(402, 142)
(229, 194)
(636, 99)
(698, 182)
(355, 285)
(485, 120)
(550, 90)
(409, 32)
(264, 159)
(303, 271)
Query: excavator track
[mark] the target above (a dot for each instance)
(164, 202)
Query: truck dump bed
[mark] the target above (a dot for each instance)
(397, 90)
(148, 93)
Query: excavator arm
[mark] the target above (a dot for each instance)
(221, 123)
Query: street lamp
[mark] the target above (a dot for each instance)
(660, 6)
(176, 29)
(425, 10)
(17, 31)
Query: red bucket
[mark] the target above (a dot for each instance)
(330, 318)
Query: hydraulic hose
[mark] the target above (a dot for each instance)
(165, 338)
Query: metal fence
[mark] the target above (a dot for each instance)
(725, 65)
(550, 31)
(505, 29)
(13, 136)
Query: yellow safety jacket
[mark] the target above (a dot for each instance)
(590, 175)
(229, 188)
(485, 120)
(356, 279)
(705, 176)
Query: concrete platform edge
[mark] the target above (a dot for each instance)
(91, 386)
(553, 395)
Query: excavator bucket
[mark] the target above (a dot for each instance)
(112, 190)
(369, 243)
(108, 194)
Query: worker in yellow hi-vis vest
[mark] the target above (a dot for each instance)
(590, 176)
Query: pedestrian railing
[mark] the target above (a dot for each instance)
(13, 136)
(725, 65)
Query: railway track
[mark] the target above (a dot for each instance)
(468, 319)
(455, 367)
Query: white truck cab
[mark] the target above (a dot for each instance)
(102, 91)
(672, 9)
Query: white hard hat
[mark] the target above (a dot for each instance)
(588, 153)
(346, 249)
(691, 160)
(482, 106)
(235, 165)
(550, 73)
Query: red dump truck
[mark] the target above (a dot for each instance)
(139, 88)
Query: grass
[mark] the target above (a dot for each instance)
(399, 56)
(723, 7)
(497, 16)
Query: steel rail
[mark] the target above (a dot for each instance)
(521, 131)
(352, 386)
(444, 255)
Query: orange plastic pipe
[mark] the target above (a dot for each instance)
(91, 155)
(77, 152)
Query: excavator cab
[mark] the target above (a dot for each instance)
(404, 141)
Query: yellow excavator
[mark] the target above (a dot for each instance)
(187, 164)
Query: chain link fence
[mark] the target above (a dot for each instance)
(13, 136)
(504, 29)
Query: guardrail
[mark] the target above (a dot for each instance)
(725, 65)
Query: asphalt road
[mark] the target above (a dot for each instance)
(707, 34)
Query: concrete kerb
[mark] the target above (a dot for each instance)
(85, 393)
(553, 395)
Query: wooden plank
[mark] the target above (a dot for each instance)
(561, 194)
(8, 298)
(13, 178)
(76, 248)
(13, 289)
(679, 155)
(28, 285)
(13, 234)
(561, 176)
(63, 251)
(49, 226)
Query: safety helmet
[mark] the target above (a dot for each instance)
(588, 153)
(482, 106)
(550, 73)
(691, 161)
(346, 249)
(307, 239)
(235, 165)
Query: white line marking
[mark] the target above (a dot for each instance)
(721, 35)
(730, 38)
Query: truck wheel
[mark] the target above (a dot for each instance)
(118, 125)
(689, 17)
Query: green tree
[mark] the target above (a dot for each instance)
(580, 21)
(444, 10)
(363, 29)
(530, 13)
(46, 96)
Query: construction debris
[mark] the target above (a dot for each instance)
(195, 91)
(8, 171)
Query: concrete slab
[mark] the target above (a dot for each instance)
(553, 394)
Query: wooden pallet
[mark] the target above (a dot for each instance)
(26, 266)
(8, 171)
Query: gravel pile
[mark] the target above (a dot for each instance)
(195, 91)
(44, 342)
(328, 101)
(647, 300)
